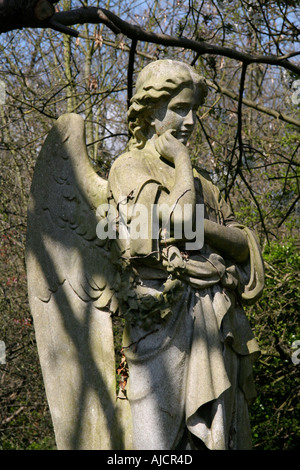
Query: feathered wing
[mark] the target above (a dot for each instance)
(70, 280)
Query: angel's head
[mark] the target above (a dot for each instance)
(167, 95)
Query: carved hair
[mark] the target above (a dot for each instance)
(158, 81)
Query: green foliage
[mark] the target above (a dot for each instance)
(275, 413)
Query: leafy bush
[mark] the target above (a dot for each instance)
(275, 319)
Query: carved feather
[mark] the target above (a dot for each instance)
(70, 280)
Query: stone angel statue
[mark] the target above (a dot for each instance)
(187, 342)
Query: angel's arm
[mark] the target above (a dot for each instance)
(182, 191)
(231, 242)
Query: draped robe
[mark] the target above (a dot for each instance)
(190, 374)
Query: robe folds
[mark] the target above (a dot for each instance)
(190, 367)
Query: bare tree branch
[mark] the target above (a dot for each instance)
(130, 71)
(289, 211)
(202, 47)
(60, 21)
(252, 104)
(238, 137)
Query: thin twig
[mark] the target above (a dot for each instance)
(289, 211)
(135, 343)
(130, 70)
(271, 112)
(238, 137)
(13, 416)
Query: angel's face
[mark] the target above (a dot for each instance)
(179, 114)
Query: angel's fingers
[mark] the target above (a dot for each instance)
(157, 143)
(170, 133)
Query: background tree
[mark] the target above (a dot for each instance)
(83, 57)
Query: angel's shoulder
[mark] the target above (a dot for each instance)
(202, 174)
(205, 181)
(128, 162)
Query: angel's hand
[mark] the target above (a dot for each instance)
(169, 147)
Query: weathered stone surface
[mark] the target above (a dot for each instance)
(69, 284)
(187, 342)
